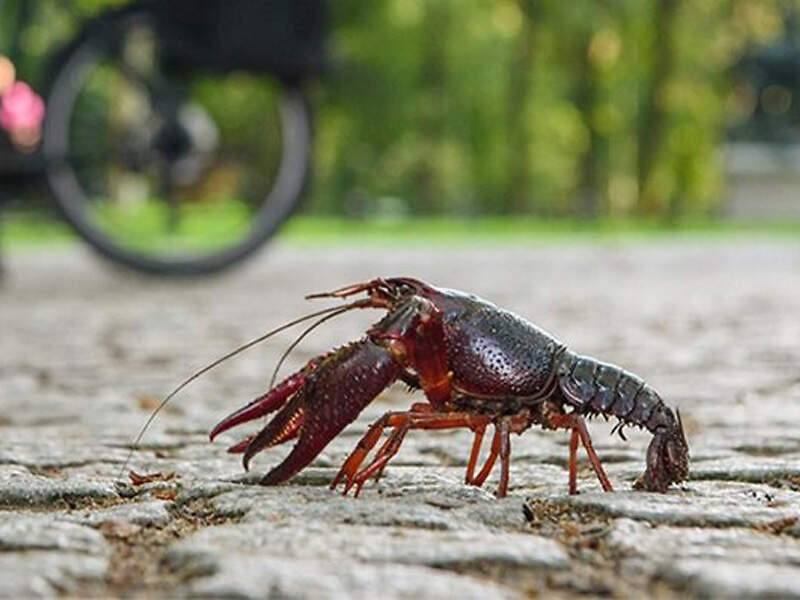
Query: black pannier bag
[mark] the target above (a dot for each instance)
(282, 37)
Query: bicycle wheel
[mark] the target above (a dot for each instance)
(170, 173)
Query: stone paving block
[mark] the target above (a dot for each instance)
(375, 512)
(152, 513)
(321, 540)
(242, 576)
(48, 574)
(18, 487)
(666, 544)
(46, 532)
(709, 562)
(755, 469)
(43, 556)
(728, 579)
(703, 503)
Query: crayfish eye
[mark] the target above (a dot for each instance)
(398, 290)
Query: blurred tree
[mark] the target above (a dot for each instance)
(654, 114)
(517, 192)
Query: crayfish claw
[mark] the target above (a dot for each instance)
(339, 389)
(263, 405)
(241, 446)
(285, 426)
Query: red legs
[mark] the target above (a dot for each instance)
(578, 426)
(501, 446)
(473, 455)
(402, 422)
(424, 416)
(490, 460)
(573, 462)
(392, 444)
(505, 457)
(368, 441)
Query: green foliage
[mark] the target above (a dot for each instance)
(480, 107)
(621, 109)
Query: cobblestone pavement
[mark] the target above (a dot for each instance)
(87, 351)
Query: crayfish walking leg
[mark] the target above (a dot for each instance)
(402, 422)
(579, 432)
(501, 446)
(490, 460)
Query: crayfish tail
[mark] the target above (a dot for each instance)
(594, 387)
(339, 389)
(667, 456)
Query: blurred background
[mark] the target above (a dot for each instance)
(617, 113)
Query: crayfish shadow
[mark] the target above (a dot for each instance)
(621, 457)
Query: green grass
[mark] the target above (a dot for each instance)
(18, 233)
(517, 230)
(203, 226)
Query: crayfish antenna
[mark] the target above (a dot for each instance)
(349, 290)
(299, 339)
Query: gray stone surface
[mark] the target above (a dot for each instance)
(46, 532)
(87, 351)
(705, 503)
(41, 556)
(732, 562)
(48, 574)
(309, 539)
(19, 487)
(244, 576)
(153, 513)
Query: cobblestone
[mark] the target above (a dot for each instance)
(87, 352)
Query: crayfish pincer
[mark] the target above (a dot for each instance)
(477, 365)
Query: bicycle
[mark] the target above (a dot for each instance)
(177, 135)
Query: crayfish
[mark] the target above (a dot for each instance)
(477, 365)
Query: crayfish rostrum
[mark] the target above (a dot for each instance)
(477, 365)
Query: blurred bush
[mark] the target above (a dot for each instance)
(468, 107)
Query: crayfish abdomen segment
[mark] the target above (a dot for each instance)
(596, 387)
(593, 387)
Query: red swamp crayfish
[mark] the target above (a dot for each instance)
(477, 365)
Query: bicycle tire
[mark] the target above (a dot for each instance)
(278, 203)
